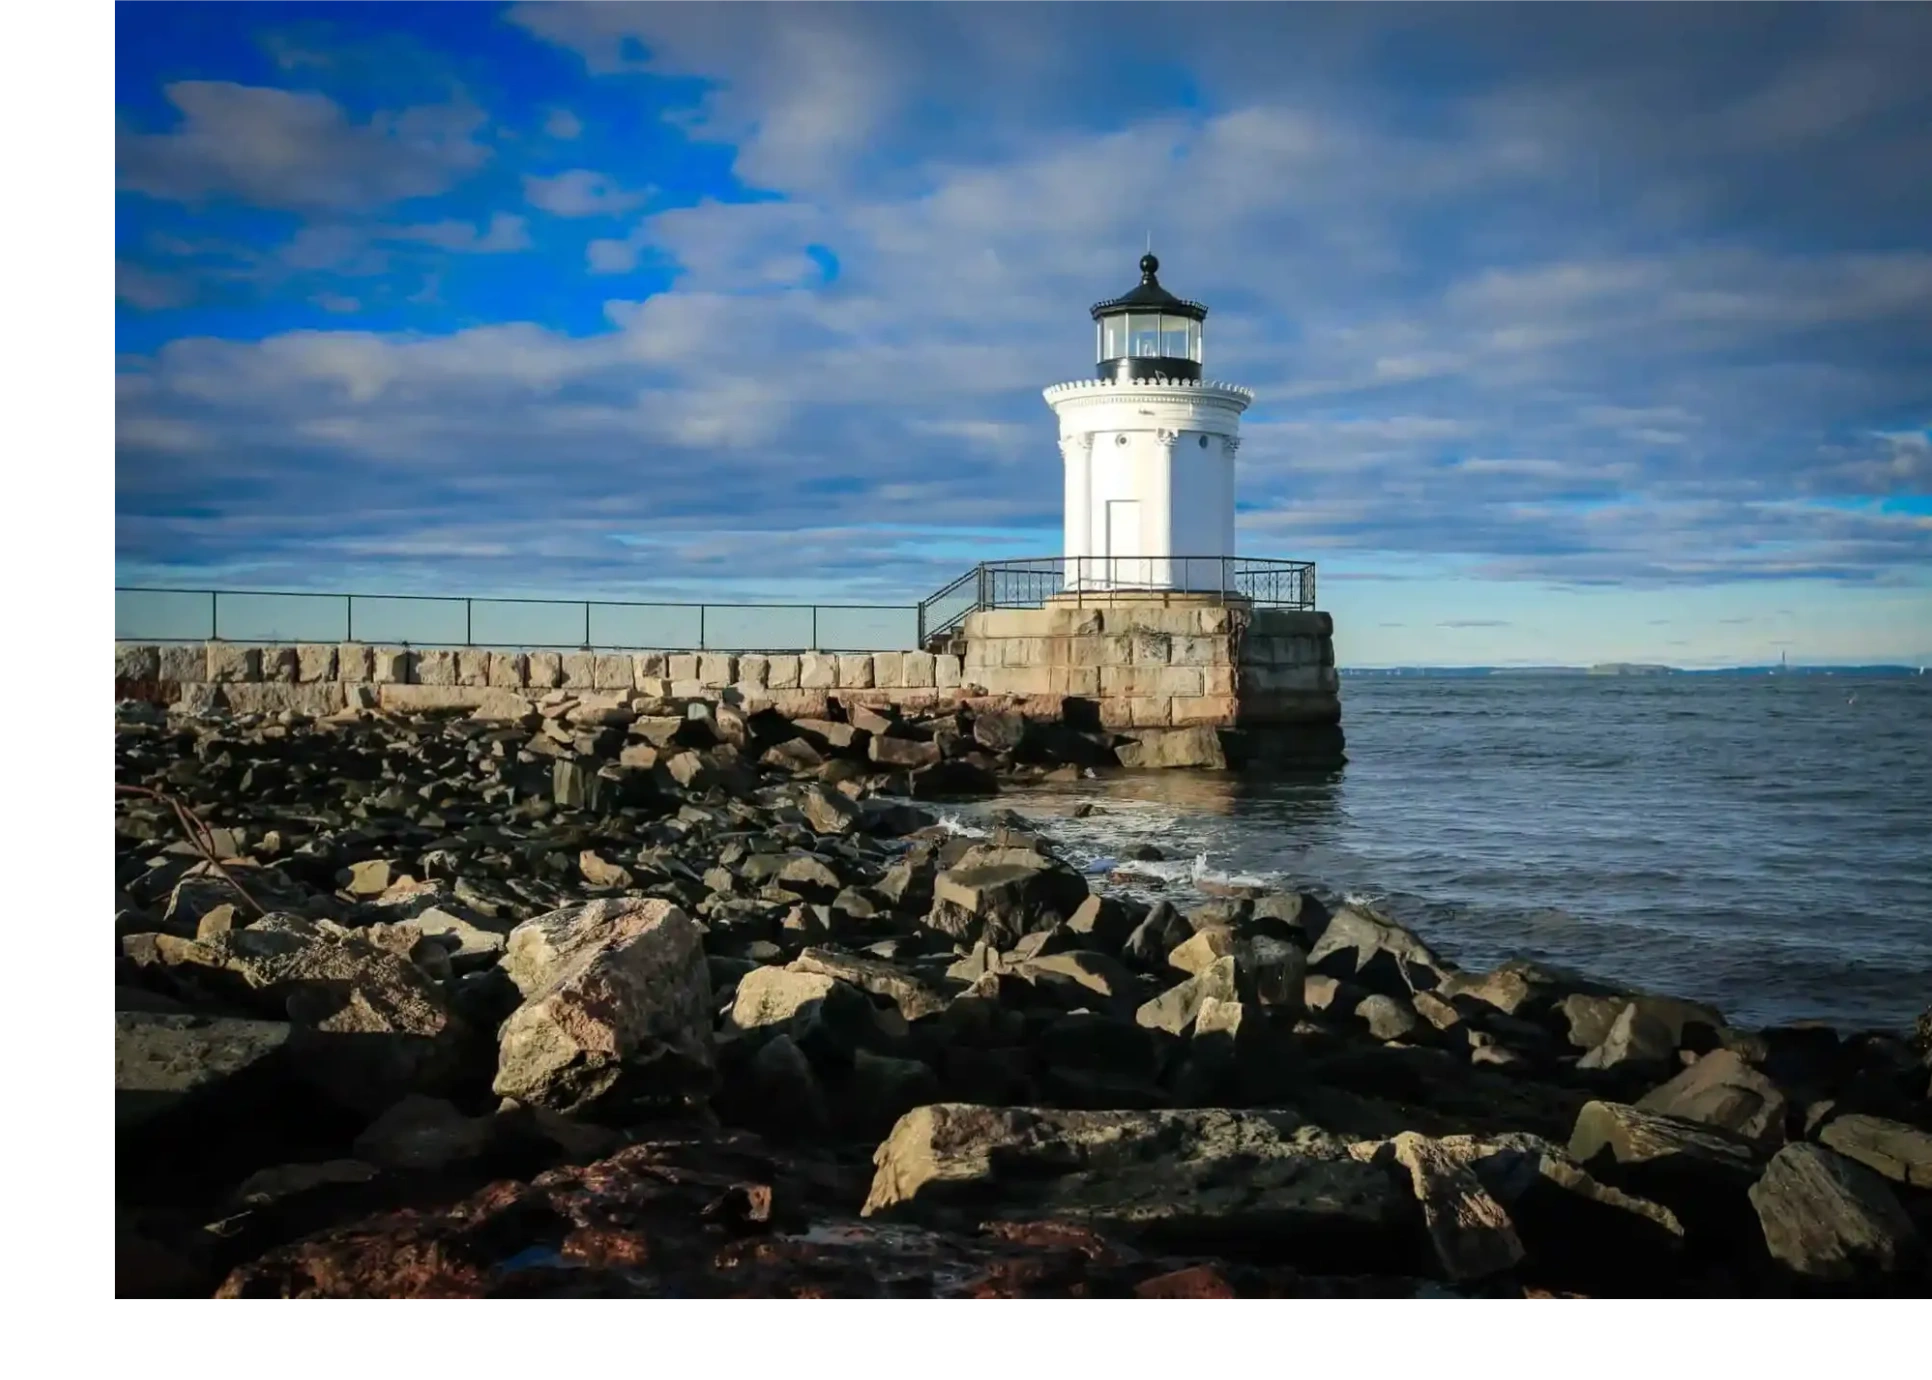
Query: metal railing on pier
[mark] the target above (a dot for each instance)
(1259, 581)
(144, 614)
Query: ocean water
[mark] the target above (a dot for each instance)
(1763, 844)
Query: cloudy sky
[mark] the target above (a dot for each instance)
(1577, 332)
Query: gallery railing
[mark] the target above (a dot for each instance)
(1256, 580)
(144, 614)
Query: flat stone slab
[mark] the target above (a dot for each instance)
(162, 1060)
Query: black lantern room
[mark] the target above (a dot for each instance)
(1148, 333)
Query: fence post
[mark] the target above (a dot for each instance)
(586, 625)
(466, 624)
(214, 615)
(814, 646)
(700, 627)
(349, 620)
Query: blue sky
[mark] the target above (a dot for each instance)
(1577, 332)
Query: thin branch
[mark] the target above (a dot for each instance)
(200, 837)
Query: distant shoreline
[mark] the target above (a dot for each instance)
(1623, 669)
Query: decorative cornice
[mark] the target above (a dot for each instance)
(1166, 436)
(1191, 386)
(1229, 445)
(1079, 443)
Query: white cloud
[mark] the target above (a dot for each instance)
(580, 192)
(562, 124)
(505, 234)
(294, 150)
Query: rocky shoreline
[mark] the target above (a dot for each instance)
(632, 998)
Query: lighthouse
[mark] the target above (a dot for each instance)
(1149, 449)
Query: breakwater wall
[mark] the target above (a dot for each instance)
(1172, 682)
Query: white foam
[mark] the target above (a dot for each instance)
(959, 828)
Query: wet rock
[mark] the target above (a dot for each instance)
(1901, 1153)
(622, 1018)
(998, 901)
(1826, 1218)
(1722, 1090)
(1174, 1178)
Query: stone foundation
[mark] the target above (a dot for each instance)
(1262, 681)
(1189, 686)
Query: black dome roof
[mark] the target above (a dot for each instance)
(1149, 296)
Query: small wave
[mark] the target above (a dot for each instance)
(959, 828)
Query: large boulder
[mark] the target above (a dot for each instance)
(913, 997)
(1177, 1178)
(1198, 747)
(1362, 947)
(1901, 1153)
(621, 1018)
(828, 1018)
(999, 894)
(1722, 1090)
(1826, 1218)
(371, 1026)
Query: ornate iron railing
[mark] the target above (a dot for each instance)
(1254, 580)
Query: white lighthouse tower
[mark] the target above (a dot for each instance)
(1149, 449)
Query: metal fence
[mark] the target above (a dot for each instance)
(1257, 580)
(143, 614)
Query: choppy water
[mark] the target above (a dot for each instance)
(1762, 844)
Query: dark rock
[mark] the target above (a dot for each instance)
(1375, 953)
(1164, 930)
(166, 1063)
(1827, 1218)
(1172, 1178)
(1103, 923)
(424, 1133)
(1000, 894)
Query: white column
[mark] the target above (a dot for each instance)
(1160, 573)
(1077, 452)
(1229, 445)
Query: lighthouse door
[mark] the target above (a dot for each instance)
(1123, 544)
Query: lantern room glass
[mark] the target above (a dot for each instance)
(1174, 337)
(1113, 337)
(1144, 335)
